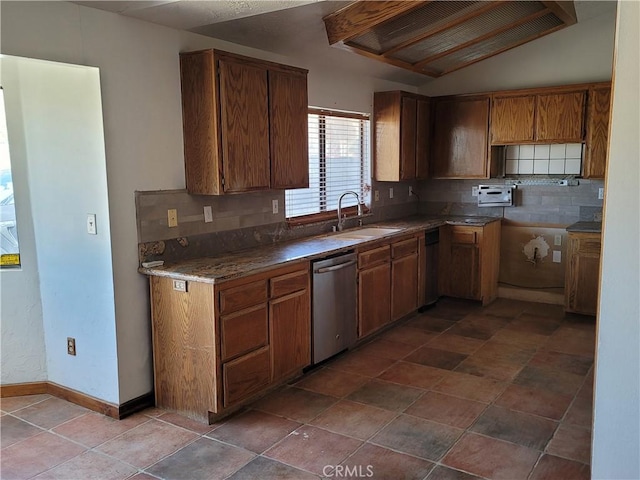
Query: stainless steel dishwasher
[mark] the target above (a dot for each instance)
(334, 305)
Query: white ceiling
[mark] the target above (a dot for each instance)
(286, 27)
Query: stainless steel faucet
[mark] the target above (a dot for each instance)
(340, 219)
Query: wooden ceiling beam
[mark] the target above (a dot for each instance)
(564, 10)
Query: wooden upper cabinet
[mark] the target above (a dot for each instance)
(560, 117)
(244, 123)
(512, 119)
(597, 141)
(289, 133)
(460, 138)
(244, 114)
(400, 142)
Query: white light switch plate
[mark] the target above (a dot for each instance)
(91, 224)
(390, 192)
(474, 191)
(274, 206)
(601, 193)
(557, 256)
(208, 215)
(557, 240)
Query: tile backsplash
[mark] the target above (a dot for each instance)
(554, 159)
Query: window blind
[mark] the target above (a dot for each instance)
(338, 162)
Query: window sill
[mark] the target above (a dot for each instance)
(316, 218)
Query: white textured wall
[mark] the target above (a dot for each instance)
(616, 432)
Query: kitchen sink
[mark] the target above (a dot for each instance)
(366, 233)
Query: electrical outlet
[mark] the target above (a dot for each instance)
(274, 206)
(376, 196)
(390, 192)
(557, 256)
(208, 214)
(71, 346)
(601, 193)
(172, 217)
(180, 285)
(557, 240)
(474, 191)
(91, 224)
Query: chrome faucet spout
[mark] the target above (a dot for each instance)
(340, 219)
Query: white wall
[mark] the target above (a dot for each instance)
(139, 68)
(580, 53)
(616, 431)
(58, 119)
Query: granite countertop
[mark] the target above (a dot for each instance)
(220, 268)
(585, 227)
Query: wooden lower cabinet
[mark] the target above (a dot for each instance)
(469, 261)
(582, 277)
(374, 298)
(404, 278)
(217, 346)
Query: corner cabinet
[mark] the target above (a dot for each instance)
(401, 136)
(244, 123)
(460, 144)
(472, 254)
(218, 346)
(583, 273)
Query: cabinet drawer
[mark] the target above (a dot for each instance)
(374, 256)
(289, 283)
(404, 248)
(244, 331)
(464, 236)
(237, 298)
(589, 245)
(246, 375)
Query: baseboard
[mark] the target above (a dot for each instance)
(540, 296)
(87, 401)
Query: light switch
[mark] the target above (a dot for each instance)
(376, 196)
(274, 206)
(172, 217)
(390, 192)
(208, 215)
(557, 256)
(557, 240)
(91, 224)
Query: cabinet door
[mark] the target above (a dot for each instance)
(288, 106)
(290, 320)
(246, 375)
(460, 145)
(583, 274)
(560, 117)
(423, 130)
(512, 119)
(598, 113)
(408, 139)
(245, 126)
(404, 286)
(464, 275)
(374, 299)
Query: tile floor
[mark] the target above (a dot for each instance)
(458, 392)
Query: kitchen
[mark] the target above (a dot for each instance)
(133, 140)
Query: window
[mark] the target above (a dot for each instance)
(9, 252)
(338, 162)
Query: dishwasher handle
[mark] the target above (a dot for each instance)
(333, 268)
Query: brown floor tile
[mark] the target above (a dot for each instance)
(413, 375)
(555, 381)
(185, 422)
(353, 419)
(332, 382)
(506, 352)
(580, 322)
(153, 412)
(537, 324)
(254, 430)
(446, 473)
(386, 395)
(93, 428)
(516, 427)
(433, 357)
(431, 324)
(538, 402)
(479, 326)
(89, 465)
(491, 458)
(387, 349)
(375, 462)
(554, 468)
(580, 412)
(36, 455)
(418, 437)
(562, 361)
(453, 411)
(360, 363)
(11, 404)
(505, 307)
(523, 339)
(408, 335)
(572, 341)
(311, 449)
(453, 309)
(456, 343)
(50, 412)
(202, 459)
(545, 309)
(471, 387)
(13, 430)
(147, 443)
(489, 367)
(295, 404)
(572, 442)
(266, 469)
